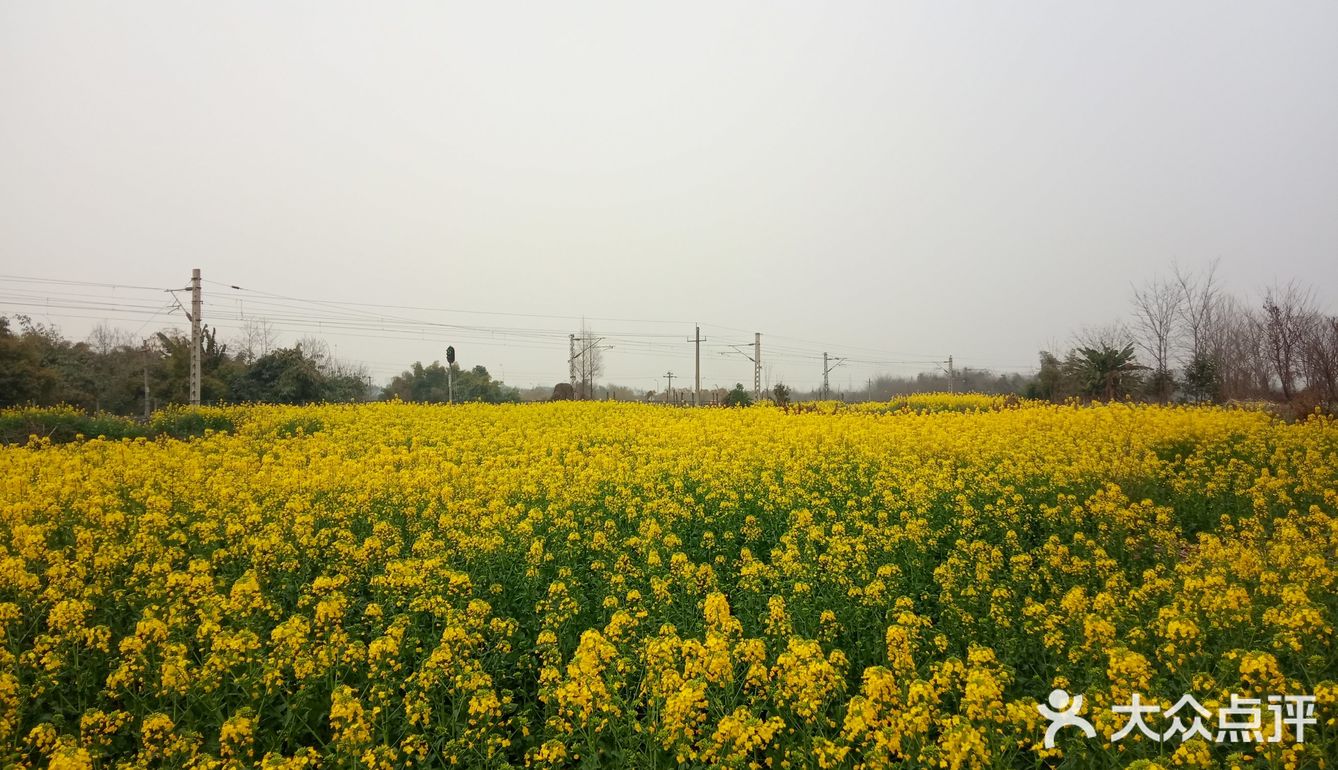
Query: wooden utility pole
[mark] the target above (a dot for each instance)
(196, 337)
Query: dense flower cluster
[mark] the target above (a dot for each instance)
(387, 586)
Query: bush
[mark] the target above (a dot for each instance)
(63, 424)
(738, 397)
(186, 421)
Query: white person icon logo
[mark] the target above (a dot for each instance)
(1063, 712)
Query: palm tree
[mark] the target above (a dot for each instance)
(1104, 371)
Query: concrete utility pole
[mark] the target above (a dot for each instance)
(697, 383)
(586, 367)
(756, 358)
(571, 363)
(147, 408)
(756, 366)
(669, 389)
(196, 337)
(826, 370)
(952, 376)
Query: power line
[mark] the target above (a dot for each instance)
(351, 307)
(368, 320)
(457, 310)
(832, 346)
(820, 344)
(69, 282)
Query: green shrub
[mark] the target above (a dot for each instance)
(62, 424)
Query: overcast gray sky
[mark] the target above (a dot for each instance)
(889, 181)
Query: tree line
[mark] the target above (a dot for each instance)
(1187, 339)
(108, 371)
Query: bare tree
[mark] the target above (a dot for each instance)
(1158, 310)
(1198, 299)
(589, 362)
(104, 339)
(318, 350)
(109, 366)
(1112, 335)
(1287, 320)
(1320, 360)
(1199, 303)
(258, 339)
(1235, 339)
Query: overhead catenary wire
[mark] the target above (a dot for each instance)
(237, 306)
(354, 307)
(458, 310)
(357, 327)
(903, 356)
(71, 282)
(353, 313)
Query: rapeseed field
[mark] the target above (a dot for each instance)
(622, 585)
